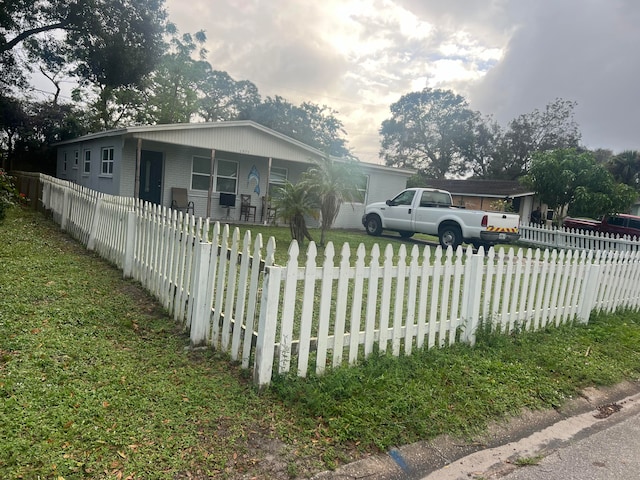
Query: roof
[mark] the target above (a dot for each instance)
(137, 129)
(482, 188)
(141, 130)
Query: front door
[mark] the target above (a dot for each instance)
(151, 176)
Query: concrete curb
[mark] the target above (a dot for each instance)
(494, 453)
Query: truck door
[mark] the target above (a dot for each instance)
(398, 214)
(429, 211)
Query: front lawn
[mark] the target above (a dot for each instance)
(97, 382)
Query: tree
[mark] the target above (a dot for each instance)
(553, 128)
(174, 88)
(429, 131)
(484, 146)
(293, 203)
(625, 168)
(567, 178)
(333, 182)
(13, 122)
(112, 42)
(224, 98)
(108, 45)
(311, 124)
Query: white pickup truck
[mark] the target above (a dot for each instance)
(430, 211)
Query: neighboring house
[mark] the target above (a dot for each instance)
(491, 194)
(208, 159)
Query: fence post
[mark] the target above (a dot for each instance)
(65, 210)
(589, 290)
(201, 319)
(265, 344)
(91, 244)
(472, 308)
(130, 244)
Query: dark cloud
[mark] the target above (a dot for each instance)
(577, 50)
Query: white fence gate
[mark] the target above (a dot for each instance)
(317, 313)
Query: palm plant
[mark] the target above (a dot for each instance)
(293, 203)
(625, 167)
(333, 182)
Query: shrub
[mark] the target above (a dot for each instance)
(8, 193)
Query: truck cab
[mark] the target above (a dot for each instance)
(430, 211)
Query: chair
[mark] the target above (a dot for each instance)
(180, 200)
(268, 214)
(246, 209)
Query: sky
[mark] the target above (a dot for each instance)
(506, 57)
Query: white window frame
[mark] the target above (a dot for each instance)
(278, 180)
(108, 162)
(365, 190)
(226, 177)
(76, 158)
(86, 162)
(200, 174)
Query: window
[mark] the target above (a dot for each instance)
(361, 186)
(277, 178)
(635, 224)
(435, 199)
(226, 176)
(226, 173)
(87, 162)
(616, 221)
(76, 157)
(64, 162)
(107, 161)
(200, 172)
(404, 198)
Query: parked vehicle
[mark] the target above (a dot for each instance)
(431, 211)
(621, 224)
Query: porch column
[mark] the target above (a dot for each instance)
(266, 195)
(213, 156)
(136, 186)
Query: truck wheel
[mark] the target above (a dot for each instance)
(373, 225)
(450, 236)
(406, 234)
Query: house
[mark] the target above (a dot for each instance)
(216, 162)
(491, 195)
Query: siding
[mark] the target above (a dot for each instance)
(241, 139)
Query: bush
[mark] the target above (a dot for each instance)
(8, 193)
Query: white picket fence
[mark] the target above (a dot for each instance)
(543, 236)
(316, 313)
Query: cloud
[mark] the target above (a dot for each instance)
(576, 50)
(506, 57)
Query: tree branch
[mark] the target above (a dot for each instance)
(33, 31)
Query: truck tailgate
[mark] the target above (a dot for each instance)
(502, 222)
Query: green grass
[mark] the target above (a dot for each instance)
(338, 238)
(96, 381)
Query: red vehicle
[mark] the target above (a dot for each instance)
(621, 224)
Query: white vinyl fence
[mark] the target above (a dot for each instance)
(325, 309)
(543, 236)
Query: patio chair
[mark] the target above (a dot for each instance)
(180, 200)
(246, 209)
